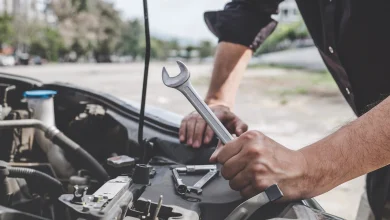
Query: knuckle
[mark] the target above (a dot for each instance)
(200, 120)
(258, 169)
(250, 135)
(233, 185)
(254, 151)
(191, 117)
(244, 193)
(259, 185)
(225, 172)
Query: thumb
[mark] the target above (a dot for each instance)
(213, 158)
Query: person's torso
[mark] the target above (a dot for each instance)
(353, 37)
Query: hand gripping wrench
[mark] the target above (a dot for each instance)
(182, 83)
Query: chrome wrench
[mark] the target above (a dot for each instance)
(196, 169)
(182, 83)
(182, 188)
(205, 179)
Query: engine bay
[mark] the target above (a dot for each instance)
(46, 180)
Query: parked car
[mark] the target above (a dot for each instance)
(7, 60)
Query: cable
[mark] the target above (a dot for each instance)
(52, 184)
(145, 80)
(77, 154)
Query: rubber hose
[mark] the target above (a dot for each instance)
(54, 185)
(80, 156)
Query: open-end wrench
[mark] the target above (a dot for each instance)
(182, 83)
(182, 188)
(196, 169)
(206, 178)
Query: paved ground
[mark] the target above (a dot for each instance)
(308, 58)
(295, 108)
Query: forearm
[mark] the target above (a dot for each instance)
(230, 63)
(357, 148)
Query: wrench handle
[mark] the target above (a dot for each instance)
(206, 113)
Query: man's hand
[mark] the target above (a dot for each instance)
(253, 162)
(194, 130)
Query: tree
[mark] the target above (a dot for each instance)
(91, 25)
(189, 50)
(6, 29)
(48, 44)
(283, 32)
(108, 31)
(78, 48)
(131, 39)
(174, 44)
(205, 49)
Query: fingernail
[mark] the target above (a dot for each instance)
(239, 131)
(214, 155)
(181, 138)
(212, 158)
(206, 140)
(189, 142)
(196, 144)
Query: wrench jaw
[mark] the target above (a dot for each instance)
(178, 80)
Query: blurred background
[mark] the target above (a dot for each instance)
(287, 93)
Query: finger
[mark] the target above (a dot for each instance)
(234, 166)
(190, 130)
(208, 135)
(229, 150)
(198, 132)
(213, 158)
(241, 127)
(182, 130)
(248, 191)
(240, 181)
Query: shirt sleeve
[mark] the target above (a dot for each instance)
(245, 22)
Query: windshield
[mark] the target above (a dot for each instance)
(100, 45)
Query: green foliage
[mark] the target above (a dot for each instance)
(173, 44)
(108, 32)
(90, 27)
(48, 45)
(6, 29)
(205, 49)
(80, 5)
(283, 32)
(78, 48)
(131, 39)
(189, 50)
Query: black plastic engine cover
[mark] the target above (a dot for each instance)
(216, 201)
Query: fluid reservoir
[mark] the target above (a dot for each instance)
(41, 103)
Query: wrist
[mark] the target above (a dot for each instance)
(314, 176)
(216, 102)
(306, 177)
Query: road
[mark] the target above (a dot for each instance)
(308, 58)
(293, 107)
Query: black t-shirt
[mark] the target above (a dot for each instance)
(353, 38)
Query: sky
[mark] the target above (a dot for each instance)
(174, 18)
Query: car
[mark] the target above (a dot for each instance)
(7, 60)
(94, 167)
